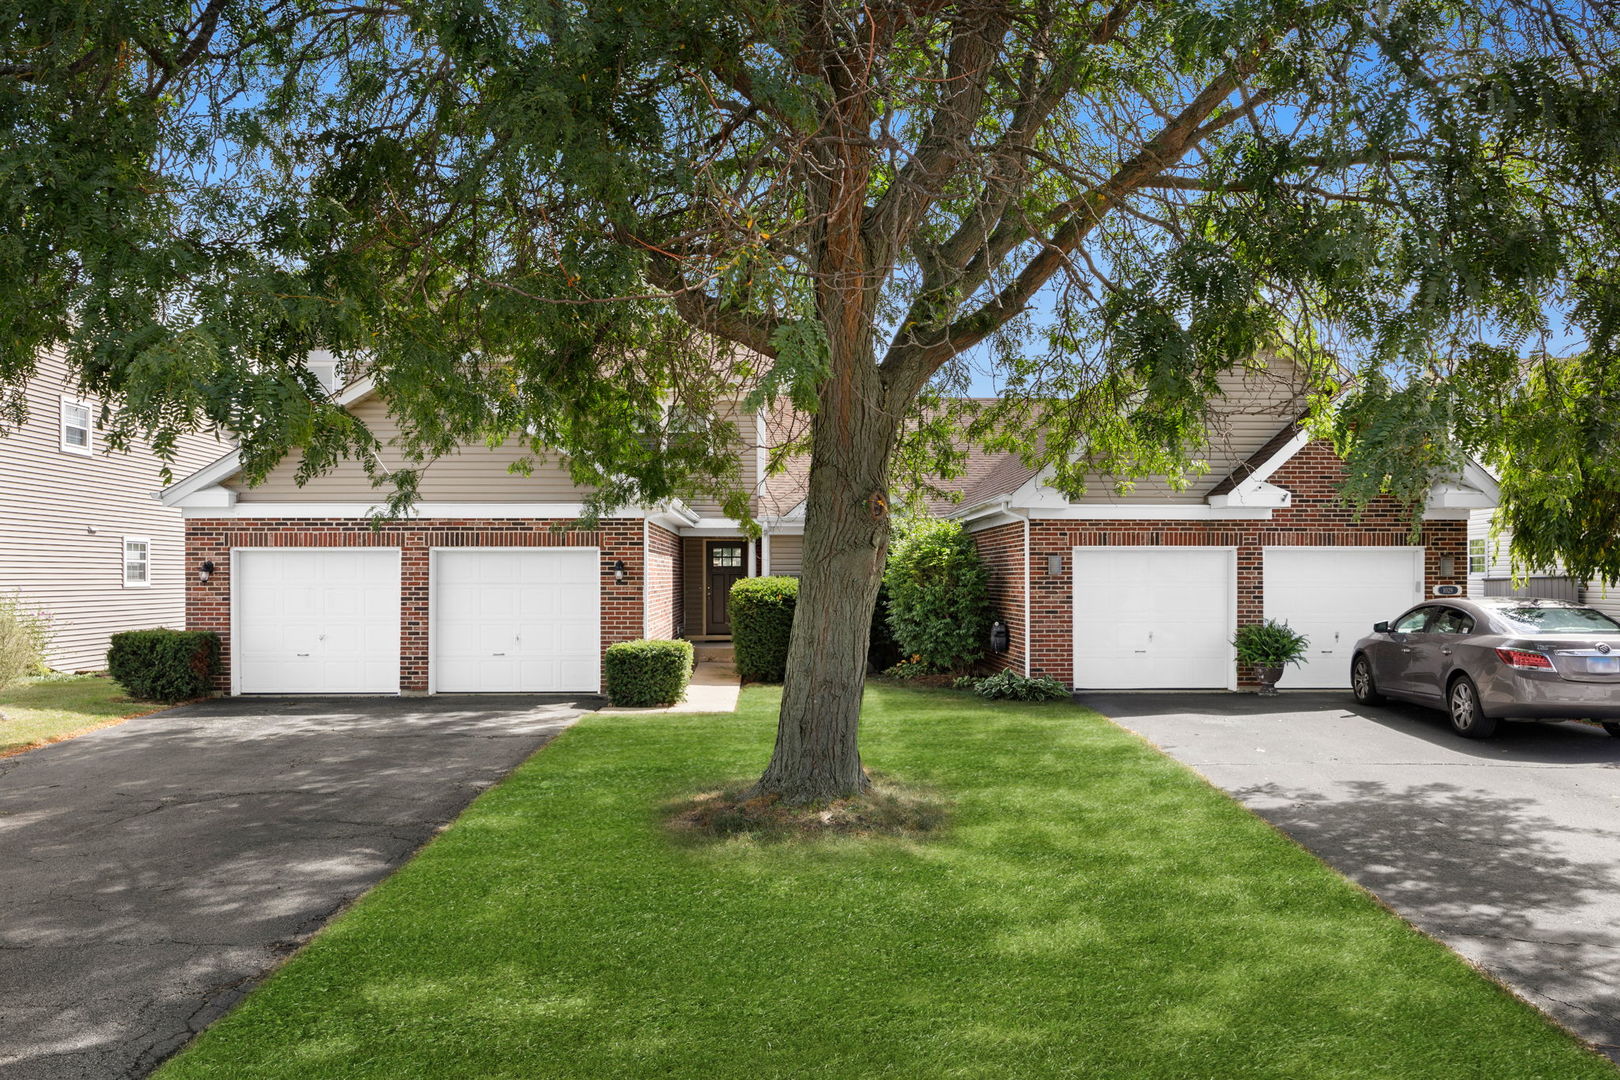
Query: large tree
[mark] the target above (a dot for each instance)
(589, 224)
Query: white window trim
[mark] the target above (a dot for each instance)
(1483, 556)
(89, 446)
(123, 551)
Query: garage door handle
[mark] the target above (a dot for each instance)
(303, 654)
(497, 654)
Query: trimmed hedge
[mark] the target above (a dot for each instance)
(164, 665)
(762, 624)
(939, 595)
(645, 673)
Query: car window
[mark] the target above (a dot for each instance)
(1452, 621)
(1535, 619)
(1412, 622)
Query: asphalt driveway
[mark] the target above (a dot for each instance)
(1507, 850)
(151, 873)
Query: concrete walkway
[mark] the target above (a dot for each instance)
(1507, 850)
(153, 872)
(714, 688)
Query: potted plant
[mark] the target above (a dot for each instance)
(1269, 647)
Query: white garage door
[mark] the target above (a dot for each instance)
(1333, 595)
(516, 620)
(1154, 618)
(317, 621)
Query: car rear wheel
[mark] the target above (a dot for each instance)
(1361, 682)
(1467, 718)
(1612, 728)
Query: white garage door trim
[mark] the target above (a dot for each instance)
(1077, 626)
(237, 581)
(436, 557)
(1333, 663)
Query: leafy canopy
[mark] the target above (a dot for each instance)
(585, 225)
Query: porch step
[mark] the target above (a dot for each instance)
(714, 652)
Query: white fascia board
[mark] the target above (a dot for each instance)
(1457, 497)
(1479, 477)
(677, 509)
(1152, 512)
(1038, 493)
(209, 475)
(228, 465)
(1253, 493)
(216, 497)
(421, 511)
(1282, 457)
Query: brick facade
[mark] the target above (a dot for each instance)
(1002, 548)
(208, 605)
(1315, 518)
(664, 594)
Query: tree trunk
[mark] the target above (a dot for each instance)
(846, 539)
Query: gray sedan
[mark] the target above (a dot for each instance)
(1484, 660)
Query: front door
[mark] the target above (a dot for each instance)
(723, 563)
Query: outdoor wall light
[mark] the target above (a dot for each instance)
(1448, 565)
(1054, 566)
(205, 571)
(618, 572)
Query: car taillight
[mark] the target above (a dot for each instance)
(1530, 661)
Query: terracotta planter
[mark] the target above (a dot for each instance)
(1268, 674)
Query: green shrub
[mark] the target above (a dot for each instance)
(1011, 686)
(23, 637)
(762, 625)
(1270, 644)
(164, 665)
(939, 605)
(646, 673)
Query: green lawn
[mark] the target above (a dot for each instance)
(1095, 911)
(49, 708)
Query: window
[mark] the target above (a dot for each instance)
(1477, 558)
(1412, 622)
(137, 561)
(725, 557)
(1452, 621)
(1532, 617)
(77, 426)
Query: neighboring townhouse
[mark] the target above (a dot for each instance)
(83, 538)
(494, 586)
(1490, 572)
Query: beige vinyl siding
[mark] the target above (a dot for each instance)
(63, 519)
(1606, 598)
(475, 474)
(747, 454)
(787, 555)
(1256, 407)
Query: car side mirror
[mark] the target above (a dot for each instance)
(1380, 627)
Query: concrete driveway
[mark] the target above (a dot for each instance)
(151, 873)
(1507, 850)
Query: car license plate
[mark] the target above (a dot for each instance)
(1603, 665)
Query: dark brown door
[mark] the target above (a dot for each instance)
(724, 565)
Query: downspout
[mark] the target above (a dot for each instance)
(1029, 586)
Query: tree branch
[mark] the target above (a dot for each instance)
(912, 360)
(706, 313)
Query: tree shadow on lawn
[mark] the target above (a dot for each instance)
(1527, 898)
